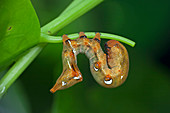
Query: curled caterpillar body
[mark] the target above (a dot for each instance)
(109, 70)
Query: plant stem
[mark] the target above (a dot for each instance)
(18, 68)
(58, 39)
(15, 71)
(68, 16)
(73, 4)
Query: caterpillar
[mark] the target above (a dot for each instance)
(109, 70)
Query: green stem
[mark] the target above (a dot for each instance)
(18, 68)
(73, 4)
(58, 39)
(68, 16)
(15, 71)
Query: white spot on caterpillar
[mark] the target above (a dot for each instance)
(64, 83)
(121, 77)
(68, 62)
(108, 82)
(96, 69)
(77, 78)
(74, 51)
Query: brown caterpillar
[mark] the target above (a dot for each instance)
(109, 70)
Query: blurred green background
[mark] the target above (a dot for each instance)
(147, 88)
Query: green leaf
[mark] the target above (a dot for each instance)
(19, 29)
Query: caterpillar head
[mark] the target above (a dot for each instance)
(68, 78)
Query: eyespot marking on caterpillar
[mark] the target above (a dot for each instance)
(109, 69)
(97, 66)
(108, 80)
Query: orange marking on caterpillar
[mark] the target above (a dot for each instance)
(95, 49)
(97, 37)
(85, 43)
(108, 77)
(65, 38)
(112, 43)
(97, 65)
(71, 54)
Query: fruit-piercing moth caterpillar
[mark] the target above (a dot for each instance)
(109, 70)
